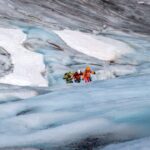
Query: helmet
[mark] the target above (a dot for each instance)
(79, 71)
(88, 68)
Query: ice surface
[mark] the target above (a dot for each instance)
(141, 144)
(69, 115)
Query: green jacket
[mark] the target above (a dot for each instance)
(68, 77)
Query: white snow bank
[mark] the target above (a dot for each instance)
(28, 66)
(102, 48)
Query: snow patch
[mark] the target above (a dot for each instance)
(142, 2)
(102, 48)
(28, 66)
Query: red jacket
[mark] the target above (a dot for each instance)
(77, 76)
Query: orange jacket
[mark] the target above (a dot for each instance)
(87, 74)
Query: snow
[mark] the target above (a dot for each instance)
(144, 2)
(28, 66)
(102, 48)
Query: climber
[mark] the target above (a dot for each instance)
(77, 76)
(68, 77)
(87, 74)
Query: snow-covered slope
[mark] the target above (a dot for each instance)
(103, 49)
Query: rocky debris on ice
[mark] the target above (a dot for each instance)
(6, 65)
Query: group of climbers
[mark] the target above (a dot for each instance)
(76, 77)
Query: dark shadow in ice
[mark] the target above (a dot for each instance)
(89, 143)
(17, 148)
(26, 111)
(9, 101)
(98, 141)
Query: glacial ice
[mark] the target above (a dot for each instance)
(111, 112)
(141, 144)
(69, 115)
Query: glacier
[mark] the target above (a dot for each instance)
(40, 41)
